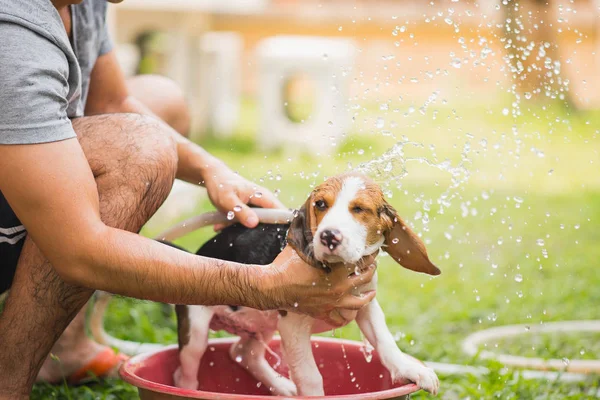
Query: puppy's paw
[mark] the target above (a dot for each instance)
(284, 387)
(183, 382)
(423, 376)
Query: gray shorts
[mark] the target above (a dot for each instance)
(12, 237)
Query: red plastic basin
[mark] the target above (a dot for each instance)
(346, 374)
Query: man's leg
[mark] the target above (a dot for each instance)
(164, 98)
(134, 165)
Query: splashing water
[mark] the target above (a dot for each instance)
(391, 167)
(345, 356)
(367, 350)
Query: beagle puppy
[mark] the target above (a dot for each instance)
(344, 219)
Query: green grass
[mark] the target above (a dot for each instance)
(518, 214)
(584, 346)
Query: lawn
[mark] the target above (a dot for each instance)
(510, 220)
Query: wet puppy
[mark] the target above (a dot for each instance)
(344, 219)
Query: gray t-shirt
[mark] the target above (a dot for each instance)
(44, 80)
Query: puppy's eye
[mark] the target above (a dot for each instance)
(357, 209)
(321, 205)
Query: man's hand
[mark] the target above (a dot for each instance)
(230, 192)
(308, 290)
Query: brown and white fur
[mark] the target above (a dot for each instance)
(344, 219)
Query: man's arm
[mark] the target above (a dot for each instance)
(54, 195)
(47, 180)
(226, 189)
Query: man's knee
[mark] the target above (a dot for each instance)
(164, 97)
(155, 161)
(129, 152)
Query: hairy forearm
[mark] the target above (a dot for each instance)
(194, 162)
(127, 264)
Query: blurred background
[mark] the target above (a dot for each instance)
(399, 44)
(478, 117)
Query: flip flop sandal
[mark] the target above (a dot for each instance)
(99, 367)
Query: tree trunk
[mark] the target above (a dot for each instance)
(534, 56)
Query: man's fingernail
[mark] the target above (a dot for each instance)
(252, 220)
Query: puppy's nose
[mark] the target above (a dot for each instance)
(331, 238)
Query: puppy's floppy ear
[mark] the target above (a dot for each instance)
(300, 234)
(403, 245)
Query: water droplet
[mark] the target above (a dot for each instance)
(258, 195)
(540, 153)
(540, 242)
(238, 359)
(360, 152)
(325, 56)
(566, 361)
(519, 278)
(395, 240)
(296, 304)
(380, 123)
(230, 215)
(456, 63)
(237, 208)
(367, 351)
(505, 111)
(384, 106)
